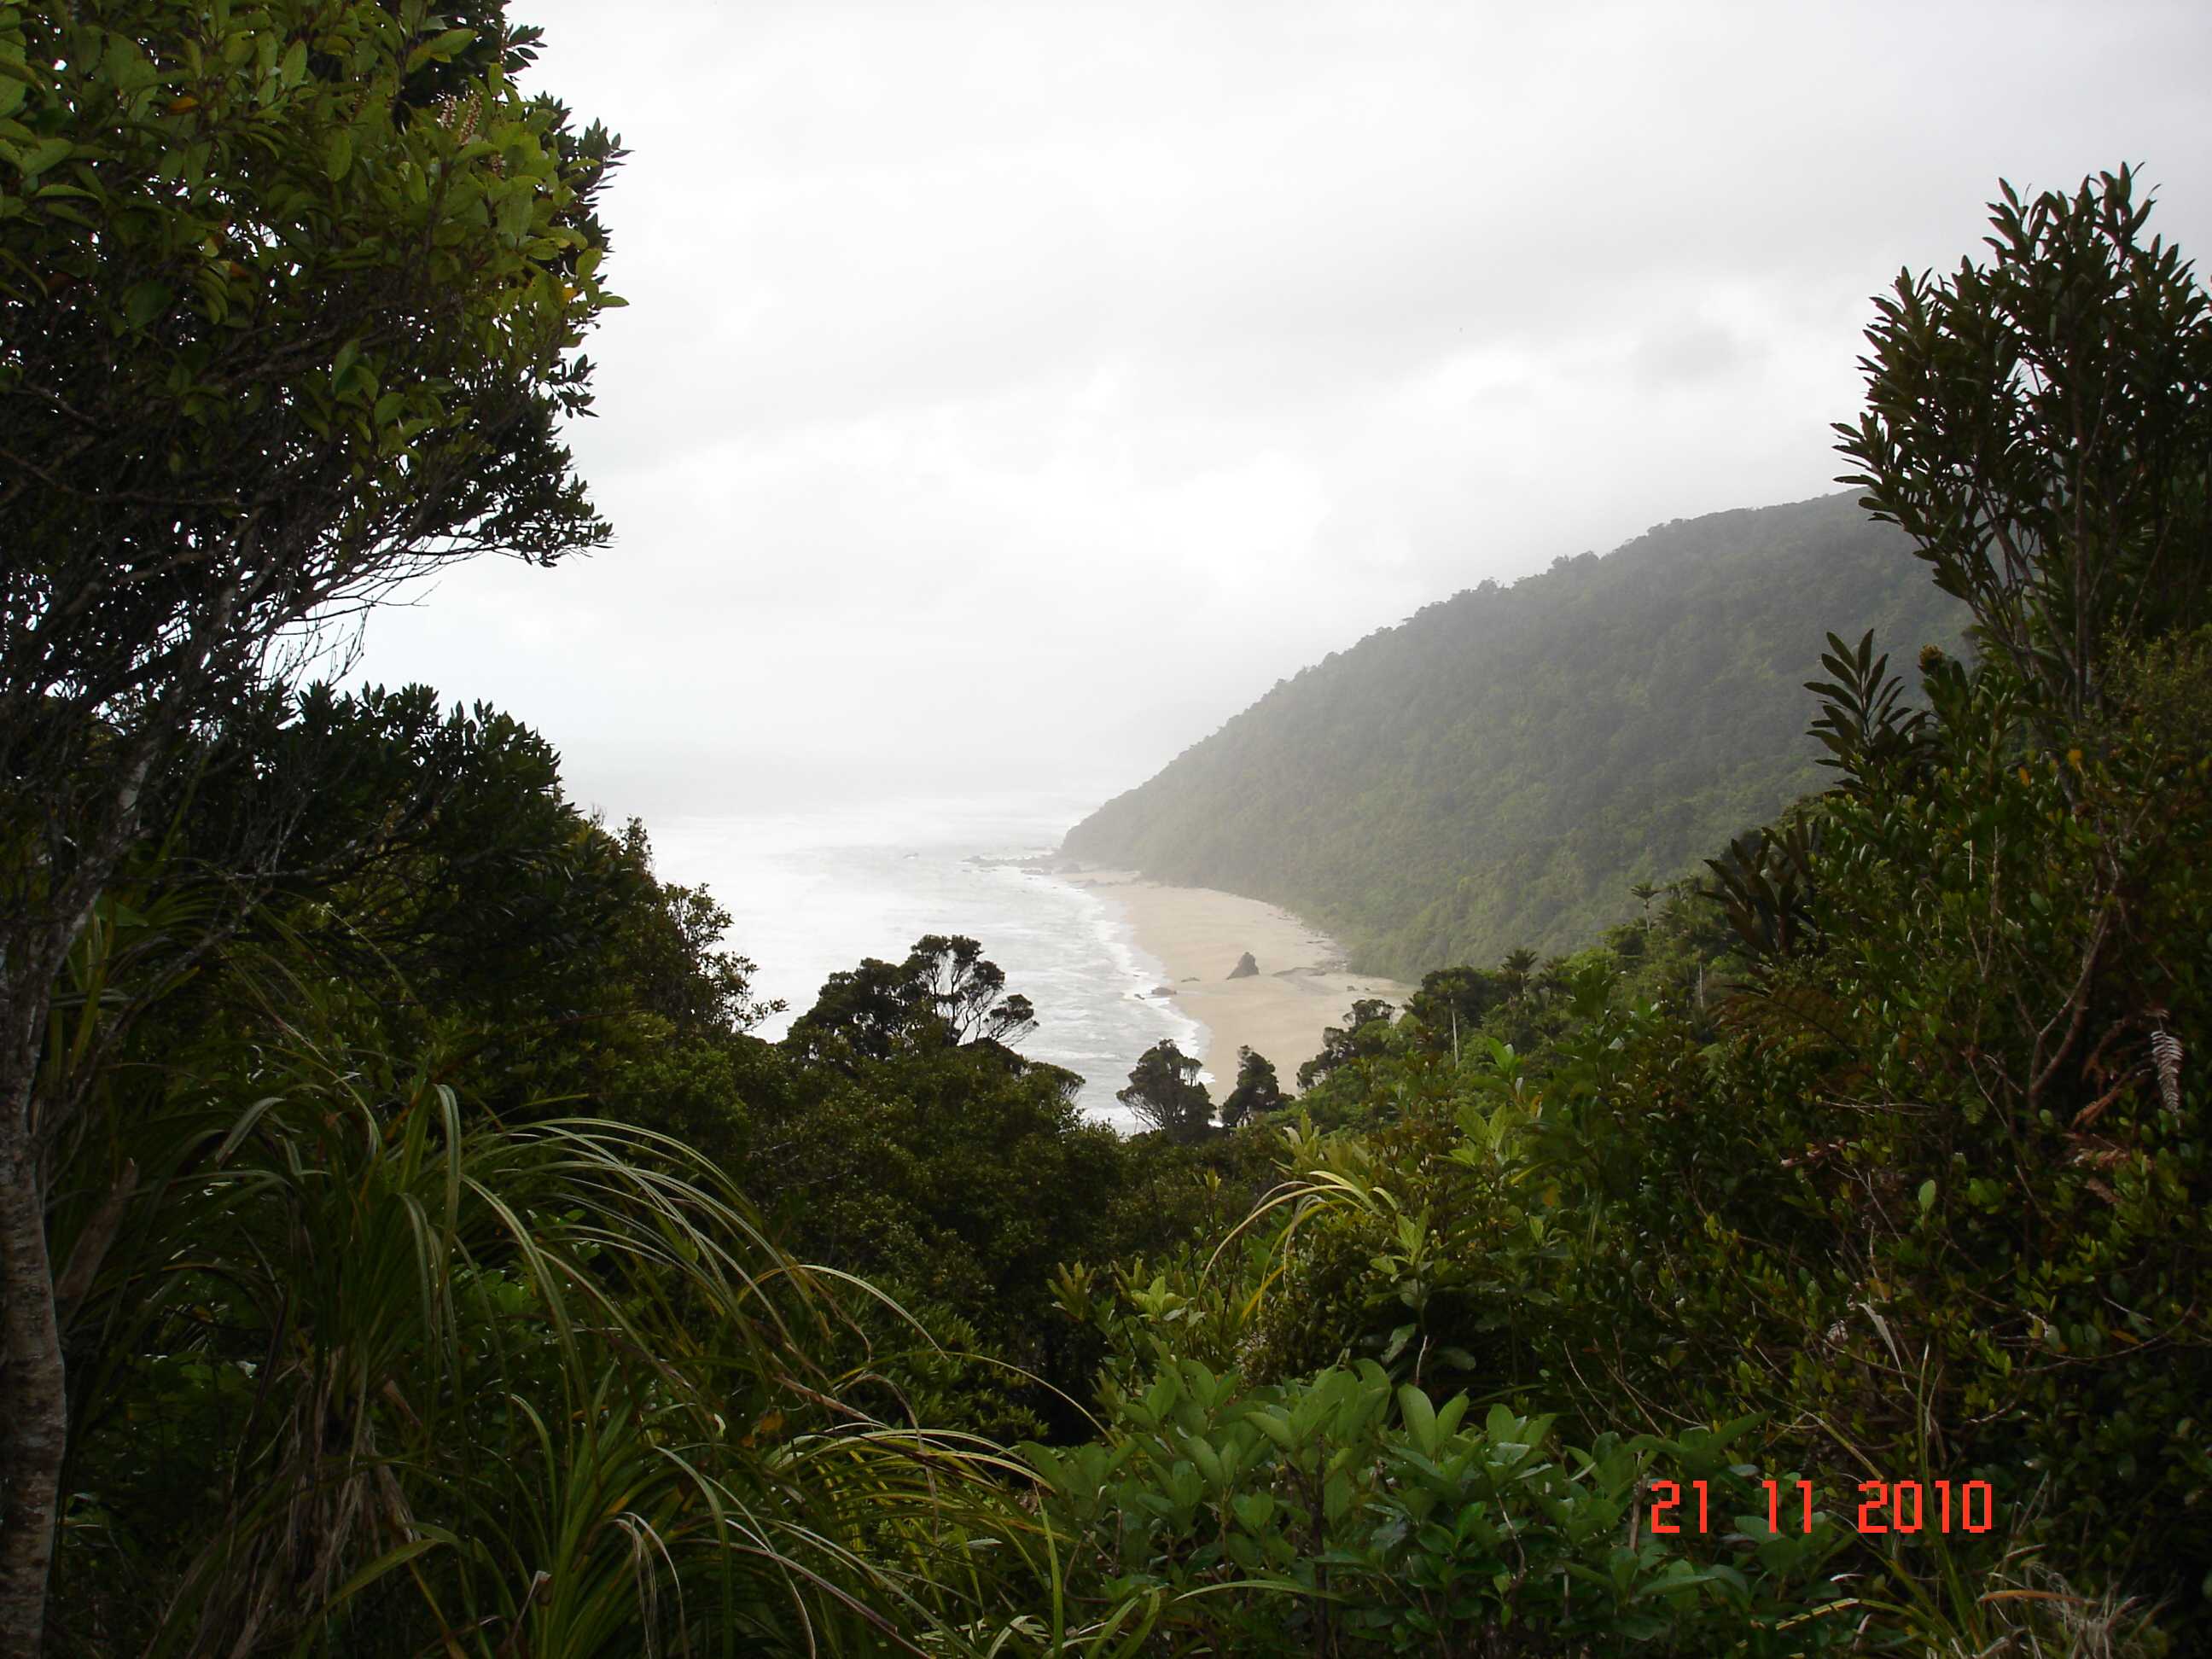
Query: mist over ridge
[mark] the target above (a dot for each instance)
(1499, 769)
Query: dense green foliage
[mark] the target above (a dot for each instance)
(1402, 1528)
(292, 299)
(1257, 1088)
(1163, 1093)
(2038, 427)
(1924, 1193)
(360, 1322)
(1498, 769)
(436, 1261)
(1892, 1137)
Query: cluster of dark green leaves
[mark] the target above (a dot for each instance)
(960, 1177)
(1361, 1034)
(1256, 1090)
(306, 276)
(431, 860)
(1336, 1515)
(1901, 1144)
(2039, 423)
(1163, 1093)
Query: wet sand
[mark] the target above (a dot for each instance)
(1301, 989)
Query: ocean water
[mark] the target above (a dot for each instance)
(811, 893)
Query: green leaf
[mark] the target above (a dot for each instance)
(1928, 1194)
(75, 215)
(1455, 1407)
(440, 48)
(383, 1565)
(1208, 1459)
(340, 160)
(12, 94)
(294, 68)
(1420, 1418)
(514, 209)
(146, 302)
(1046, 1462)
(1335, 1495)
(48, 152)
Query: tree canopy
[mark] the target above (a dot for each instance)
(1163, 1093)
(1257, 1090)
(290, 309)
(2041, 425)
(1340, 1045)
(944, 992)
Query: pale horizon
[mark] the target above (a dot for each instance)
(1006, 400)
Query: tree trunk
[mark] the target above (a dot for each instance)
(45, 913)
(33, 1410)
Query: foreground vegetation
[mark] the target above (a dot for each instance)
(407, 1246)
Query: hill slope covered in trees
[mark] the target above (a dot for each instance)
(1500, 769)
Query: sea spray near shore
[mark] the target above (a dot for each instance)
(812, 893)
(1282, 1010)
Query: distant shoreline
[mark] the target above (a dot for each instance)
(1303, 987)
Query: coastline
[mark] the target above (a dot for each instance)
(1198, 934)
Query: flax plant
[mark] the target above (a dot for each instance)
(365, 1371)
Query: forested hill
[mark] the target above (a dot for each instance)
(1500, 769)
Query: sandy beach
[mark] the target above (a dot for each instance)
(1301, 989)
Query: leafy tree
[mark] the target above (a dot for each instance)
(1258, 1089)
(1926, 1189)
(2040, 427)
(1518, 972)
(288, 313)
(1643, 892)
(866, 1011)
(1366, 1025)
(1452, 1003)
(946, 993)
(968, 993)
(674, 957)
(435, 859)
(1163, 1093)
(443, 870)
(956, 1178)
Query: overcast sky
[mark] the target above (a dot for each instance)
(1011, 393)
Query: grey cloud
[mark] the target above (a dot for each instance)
(1133, 354)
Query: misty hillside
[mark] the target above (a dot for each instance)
(1497, 770)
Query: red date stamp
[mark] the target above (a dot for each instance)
(1885, 1506)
